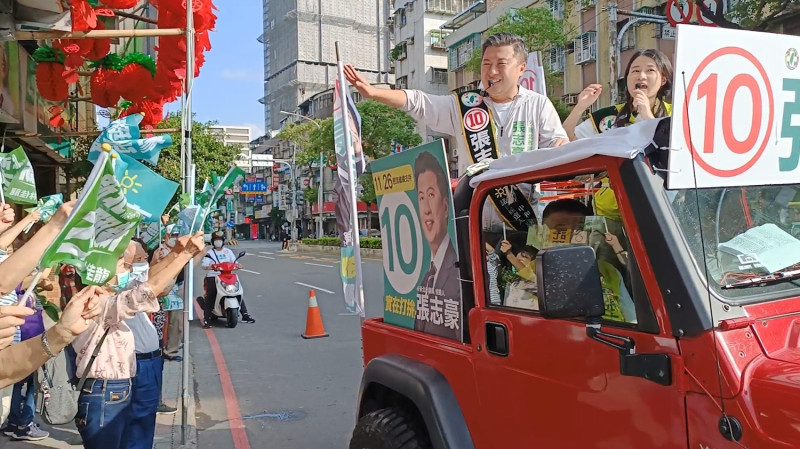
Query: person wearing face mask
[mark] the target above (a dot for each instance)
(146, 385)
(218, 254)
(106, 350)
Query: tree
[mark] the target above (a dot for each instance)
(209, 154)
(381, 127)
(745, 14)
(538, 29)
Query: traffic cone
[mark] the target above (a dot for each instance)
(314, 327)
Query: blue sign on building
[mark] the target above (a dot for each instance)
(254, 188)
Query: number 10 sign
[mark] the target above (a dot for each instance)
(736, 111)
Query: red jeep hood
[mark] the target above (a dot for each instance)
(773, 385)
(773, 381)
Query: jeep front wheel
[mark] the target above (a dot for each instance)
(389, 428)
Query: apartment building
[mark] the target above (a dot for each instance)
(419, 55)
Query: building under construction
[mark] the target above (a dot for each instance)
(299, 50)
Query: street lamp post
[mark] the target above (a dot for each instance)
(321, 172)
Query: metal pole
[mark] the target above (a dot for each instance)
(319, 195)
(292, 170)
(612, 50)
(189, 277)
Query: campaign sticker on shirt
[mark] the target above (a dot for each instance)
(607, 123)
(476, 120)
(471, 99)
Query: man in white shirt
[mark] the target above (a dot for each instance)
(523, 120)
(218, 254)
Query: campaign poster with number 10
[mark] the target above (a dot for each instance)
(415, 205)
(736, 110)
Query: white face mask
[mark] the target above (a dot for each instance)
(140, 271)
(172, 241)
(218, 244)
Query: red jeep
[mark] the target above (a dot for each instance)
(686, 338)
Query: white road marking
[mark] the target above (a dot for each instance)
(315, 288)
(248, 271)
(265, 252)
(319, 265)
(265, 257)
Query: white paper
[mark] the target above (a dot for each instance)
(774, 248)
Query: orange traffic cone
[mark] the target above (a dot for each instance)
(314, 327)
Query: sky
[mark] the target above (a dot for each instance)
(232, 79)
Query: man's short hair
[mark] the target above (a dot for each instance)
(503, 39)
(570, 206)
(529, 250)
(427, 162)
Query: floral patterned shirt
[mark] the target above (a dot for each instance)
(117, 358)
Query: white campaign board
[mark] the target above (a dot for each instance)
(736, 109)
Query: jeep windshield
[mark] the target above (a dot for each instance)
(737, 234)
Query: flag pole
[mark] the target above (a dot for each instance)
(2, 177)
(189, 185)
(348, 140)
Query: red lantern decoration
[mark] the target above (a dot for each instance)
(104, 84)
(136, 77)
(120, 4)
(50, 82)
(95, 49)
(105, 92)
(50, 74)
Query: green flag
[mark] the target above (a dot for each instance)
(19, 186)
(98, 230)
(152, 235)
(222, 184)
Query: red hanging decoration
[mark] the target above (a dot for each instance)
(50, 82)
(83, 16)
(136, 78)
(153, 112)
(104, 83)
(49, 74)
(120, 4)
(96, 48)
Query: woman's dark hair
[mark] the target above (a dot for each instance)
(664, 93)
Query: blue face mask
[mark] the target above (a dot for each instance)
(123, 279)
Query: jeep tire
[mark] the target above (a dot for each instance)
(389, 428)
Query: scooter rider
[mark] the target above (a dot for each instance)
(218, 254)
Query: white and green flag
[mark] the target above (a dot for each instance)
(19, 185)
(98, 230)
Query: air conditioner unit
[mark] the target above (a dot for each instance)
(571, 99)
(390, 21)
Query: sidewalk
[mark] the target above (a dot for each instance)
(168, 427)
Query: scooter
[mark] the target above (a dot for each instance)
(229, 292)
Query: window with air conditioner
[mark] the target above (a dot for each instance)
(570, 99)
(555, 60)
(586, 48)
(557, 8)
(439, 76)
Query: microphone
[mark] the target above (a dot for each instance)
(637, 86)
(484, 92)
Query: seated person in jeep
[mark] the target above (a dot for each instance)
(570, 215)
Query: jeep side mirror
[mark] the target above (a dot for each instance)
(569, 283)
